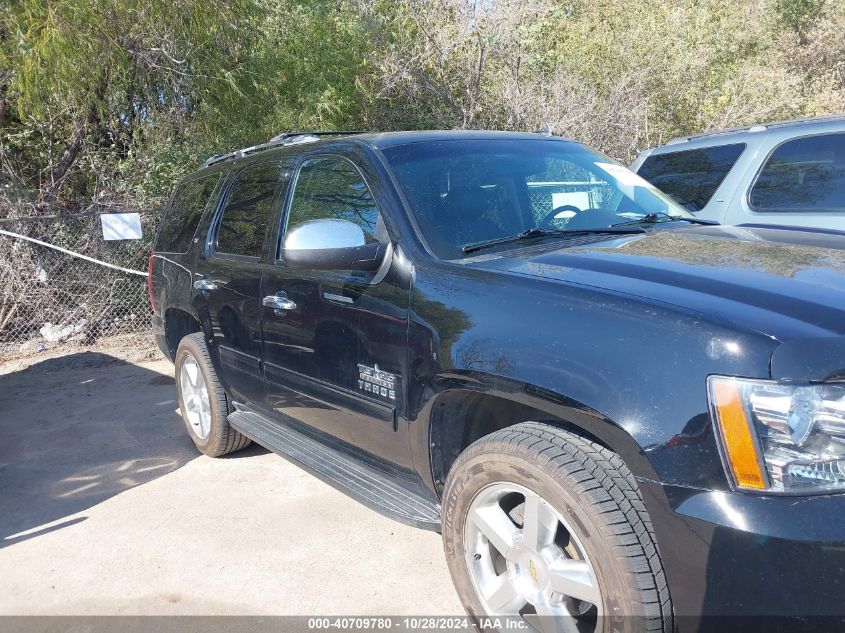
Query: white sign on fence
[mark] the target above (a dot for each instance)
(121, 226)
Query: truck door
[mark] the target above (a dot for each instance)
(334, 340)
(228, 279)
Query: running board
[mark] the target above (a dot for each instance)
(398, 496)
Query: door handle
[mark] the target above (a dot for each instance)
(205, 284)
(278, 302)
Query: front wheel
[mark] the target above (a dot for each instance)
(543, 525)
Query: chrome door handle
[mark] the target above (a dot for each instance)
(278, 302)
(205, 284)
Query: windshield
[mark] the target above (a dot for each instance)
(469, 191)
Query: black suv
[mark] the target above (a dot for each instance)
(615, 415)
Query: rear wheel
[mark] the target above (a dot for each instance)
(543, 525)
(203, 401)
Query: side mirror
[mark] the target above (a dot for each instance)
(331, 245)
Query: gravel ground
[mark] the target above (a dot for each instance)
(106, 508)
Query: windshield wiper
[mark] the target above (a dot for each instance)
(654, 218)
(537, 232)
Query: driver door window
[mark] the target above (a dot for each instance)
(332, 189)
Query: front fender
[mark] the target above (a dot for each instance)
(630, 371)
(546, 406)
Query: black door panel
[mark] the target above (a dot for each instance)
(229, 276)
(331, 396)
(311, 363)
(234, 312)
(330, 361)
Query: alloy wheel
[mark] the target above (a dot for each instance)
(525, 561)
(195, 397)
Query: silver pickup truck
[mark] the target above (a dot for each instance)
(788, 173)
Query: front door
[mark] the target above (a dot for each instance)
(334, 355)
(228, 279)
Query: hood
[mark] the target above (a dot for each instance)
(786, 284)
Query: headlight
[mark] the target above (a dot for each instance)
(780, 438)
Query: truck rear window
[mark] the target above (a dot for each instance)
(182, 217)
(691, 176)
(804, 174)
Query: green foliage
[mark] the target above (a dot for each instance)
(621, 75)
(114, 100)
(93, 86)
(798, 15)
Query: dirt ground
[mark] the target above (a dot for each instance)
(132, 346)
(106, 508)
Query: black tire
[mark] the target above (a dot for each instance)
(222, 439)
(579, 479)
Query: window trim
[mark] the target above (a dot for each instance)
(211, 202)
(743, 144)
(234, 174)
(781, 210)
(282, 227)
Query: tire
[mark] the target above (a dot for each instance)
(591, 511)
(211, 433)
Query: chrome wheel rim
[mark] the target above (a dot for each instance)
(525, 561)
(195, 401)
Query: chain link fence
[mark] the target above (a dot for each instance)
(50, 299)
(546, 196)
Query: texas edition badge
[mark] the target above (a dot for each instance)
(377, 382)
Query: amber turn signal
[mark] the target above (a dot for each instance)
(738, 441)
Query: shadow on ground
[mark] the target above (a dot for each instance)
(78, 430)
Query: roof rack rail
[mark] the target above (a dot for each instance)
(285, 138)
(760, 127)
(289, 134)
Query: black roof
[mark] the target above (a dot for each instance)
(378, 140)
(389, 139)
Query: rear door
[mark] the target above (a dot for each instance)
(335, 361)
(228, 279)
(172, 259)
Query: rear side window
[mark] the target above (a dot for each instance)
(692, 176)
(804, 174)
(182, 217)
(249, 206)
